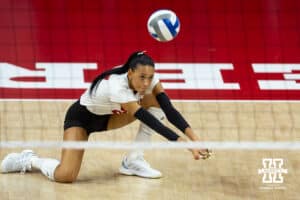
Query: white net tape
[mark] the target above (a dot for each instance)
(229, 145)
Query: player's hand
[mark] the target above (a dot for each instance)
(201, 153)
(198, 153)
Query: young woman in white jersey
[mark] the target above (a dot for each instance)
(116, 98)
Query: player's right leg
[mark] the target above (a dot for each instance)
(65, 171)
(71, 159)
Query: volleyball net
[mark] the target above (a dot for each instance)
(216, 145)
(220, 125)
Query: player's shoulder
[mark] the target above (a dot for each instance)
(118, 82)
(118, 77)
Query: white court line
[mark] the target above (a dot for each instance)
(218, 145)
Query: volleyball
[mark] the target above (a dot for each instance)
(163, 25)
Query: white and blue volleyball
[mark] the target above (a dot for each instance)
(163, 25)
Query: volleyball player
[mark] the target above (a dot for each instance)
(115, 98)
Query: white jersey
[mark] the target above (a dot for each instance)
(111, 93)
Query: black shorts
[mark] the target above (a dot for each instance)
(78, 116)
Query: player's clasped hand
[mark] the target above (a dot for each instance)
(197, 153)
(201, 153)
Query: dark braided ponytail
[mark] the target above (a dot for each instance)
(134, 59)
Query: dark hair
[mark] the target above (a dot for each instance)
(134, 59)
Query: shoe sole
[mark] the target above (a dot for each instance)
(128, 172)
(124, 171)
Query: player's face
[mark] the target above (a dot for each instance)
(140, 78)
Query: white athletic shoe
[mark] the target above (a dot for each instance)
(17, 162)
(138, 167)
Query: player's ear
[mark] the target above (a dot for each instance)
(129, 72)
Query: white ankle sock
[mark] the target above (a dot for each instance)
(145, 132)
(46, 165)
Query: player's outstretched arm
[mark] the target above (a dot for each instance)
(197, 153)
(147, 118)
(178, 120)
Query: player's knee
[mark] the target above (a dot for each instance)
(66, 176)
(158, 113)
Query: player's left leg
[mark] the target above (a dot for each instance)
(134, 163)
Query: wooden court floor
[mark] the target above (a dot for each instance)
(230, 174)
